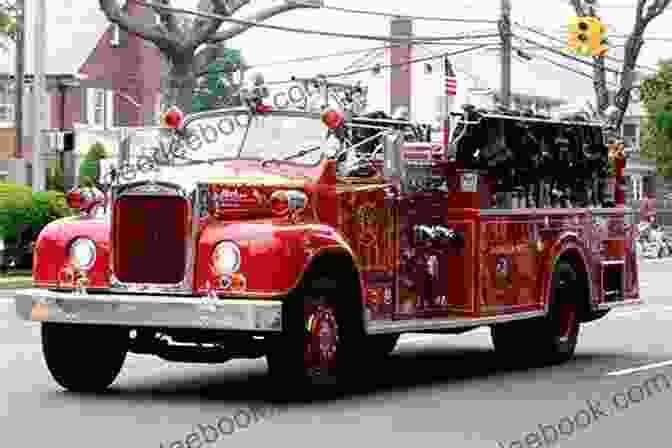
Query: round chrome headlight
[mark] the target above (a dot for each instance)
(226, 257)
(83, 253)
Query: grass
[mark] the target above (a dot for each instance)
(16, 279)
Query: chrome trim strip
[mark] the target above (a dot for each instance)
(561, 212)
(618, 304)
(410, 325)
(149, 311)
(150, 188)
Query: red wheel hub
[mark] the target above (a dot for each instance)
(321, 338)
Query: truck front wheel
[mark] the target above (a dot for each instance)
(320, 343)
(84, 358)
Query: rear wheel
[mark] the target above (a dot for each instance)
(551, 339)
(84, 358)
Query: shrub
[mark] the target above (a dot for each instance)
(23, 214)
(56, 180)
(89, 170)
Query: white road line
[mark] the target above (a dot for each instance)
(426, 338)
(639, 369)
(644, 309)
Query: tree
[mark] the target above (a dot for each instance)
(644, 14)
(217, 87)
(8, 23)
(656, 94)
(189, 45)
(89, 170)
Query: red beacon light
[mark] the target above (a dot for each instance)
(332, 119)
(173, 118)
(262, 108)
(85, 199)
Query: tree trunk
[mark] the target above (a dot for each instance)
(182, 82)
(600, 85)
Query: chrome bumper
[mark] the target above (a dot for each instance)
(149, 311)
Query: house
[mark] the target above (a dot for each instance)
(98, 78)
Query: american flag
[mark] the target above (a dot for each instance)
(450, 78)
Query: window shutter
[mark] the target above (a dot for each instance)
(109, 109)
(84, 100)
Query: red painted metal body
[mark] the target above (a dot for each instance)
(503, 265)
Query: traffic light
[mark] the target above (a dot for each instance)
(598, 40)
(578, 40)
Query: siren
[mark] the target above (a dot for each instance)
(172, 119)
(332, 119)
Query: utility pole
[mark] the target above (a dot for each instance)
(20, 58)
(39, 100)
(505, 35)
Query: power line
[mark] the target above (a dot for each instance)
(466, 72)
(409, 62)
(541, 33)
(387, 66)
(559, 52)
(359, 60)
(252, 23)
(318, 57)
(565, 67)
(388, 14)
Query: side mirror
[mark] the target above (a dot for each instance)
(394, 168)
(85, 199)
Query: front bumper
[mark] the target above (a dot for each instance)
(43, 305)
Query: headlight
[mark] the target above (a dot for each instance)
(83, 253)
(226, 257)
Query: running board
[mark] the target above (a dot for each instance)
(413, 325)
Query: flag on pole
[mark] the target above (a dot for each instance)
(450, 86)
(450, 78)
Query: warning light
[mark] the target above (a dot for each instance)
(173, 118)
(332, 119)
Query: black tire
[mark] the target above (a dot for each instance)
(381, 345)
(551, 339)
(84, 358)
(299, 358)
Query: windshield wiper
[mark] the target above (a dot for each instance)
(303, 152)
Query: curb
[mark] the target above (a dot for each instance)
(18, 283)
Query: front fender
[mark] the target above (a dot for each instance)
(50, 254)
(274, 257)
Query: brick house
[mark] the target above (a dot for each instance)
(104, 79)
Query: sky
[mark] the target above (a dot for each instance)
(72, 22)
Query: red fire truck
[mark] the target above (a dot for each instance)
(317, 239)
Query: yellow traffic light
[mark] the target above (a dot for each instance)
(598, 40)
(578, 39)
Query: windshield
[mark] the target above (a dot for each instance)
(237, 134)
(209, 137)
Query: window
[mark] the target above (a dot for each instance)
(636, 184)
(6, 112)
(631, 135)
(98, 107)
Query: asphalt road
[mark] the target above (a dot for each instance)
(438, 390)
